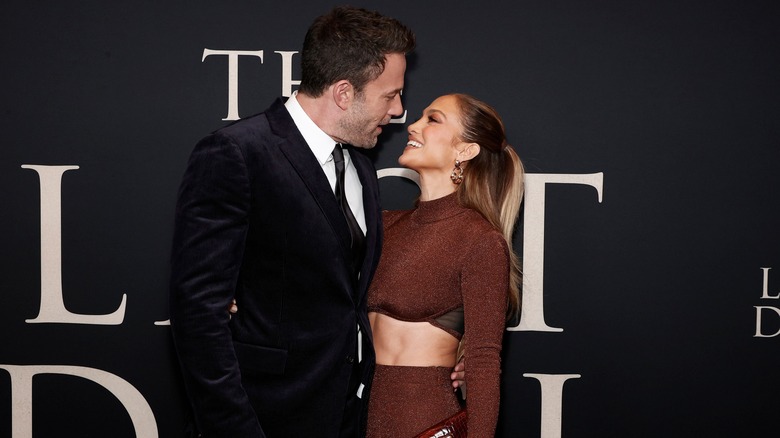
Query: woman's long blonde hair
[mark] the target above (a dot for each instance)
(492, 180)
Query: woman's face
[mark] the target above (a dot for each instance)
(433, 139)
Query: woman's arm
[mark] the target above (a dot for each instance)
(484, 285)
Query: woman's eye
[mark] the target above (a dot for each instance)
(432, 119)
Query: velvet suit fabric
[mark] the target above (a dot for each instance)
(256, 219)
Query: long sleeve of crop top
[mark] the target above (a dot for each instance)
(484, 285)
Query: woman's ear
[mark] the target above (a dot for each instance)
(468, 151)
(343, 93)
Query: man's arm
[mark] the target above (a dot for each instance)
(209, 239)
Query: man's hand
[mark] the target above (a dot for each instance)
(233, 309)
(458, 377)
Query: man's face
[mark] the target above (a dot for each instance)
(375, 105)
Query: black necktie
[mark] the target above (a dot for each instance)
(358, 239)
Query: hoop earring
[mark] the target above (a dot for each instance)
(457, 173)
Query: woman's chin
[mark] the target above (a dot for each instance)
(407, 163)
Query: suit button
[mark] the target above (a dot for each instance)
(350, 359)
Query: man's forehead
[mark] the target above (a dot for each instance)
(391, 80)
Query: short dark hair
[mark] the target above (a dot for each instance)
(350, 43)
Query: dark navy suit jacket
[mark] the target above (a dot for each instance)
(256, 219)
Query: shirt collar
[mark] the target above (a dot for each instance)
(320, 143)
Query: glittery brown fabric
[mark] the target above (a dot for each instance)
(407, 400)
(436, 258)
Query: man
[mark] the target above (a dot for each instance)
(258, 219)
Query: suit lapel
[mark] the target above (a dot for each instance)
(298, 153)
(368, 180)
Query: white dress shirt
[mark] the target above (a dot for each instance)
(321, 145)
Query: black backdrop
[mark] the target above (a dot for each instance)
(665, 290)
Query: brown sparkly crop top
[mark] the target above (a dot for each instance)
(440, 258)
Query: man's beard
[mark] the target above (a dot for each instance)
(356, 129)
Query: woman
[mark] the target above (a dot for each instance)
(447, 273)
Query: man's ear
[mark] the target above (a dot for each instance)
(468, 151)
(343, 94)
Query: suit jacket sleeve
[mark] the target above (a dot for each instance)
(209, 239)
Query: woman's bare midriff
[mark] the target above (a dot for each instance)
(403, 343)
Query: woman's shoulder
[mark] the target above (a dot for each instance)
(481, 235)
(390, 217)
(474, 220)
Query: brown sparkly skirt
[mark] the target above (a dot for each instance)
(405, 401)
